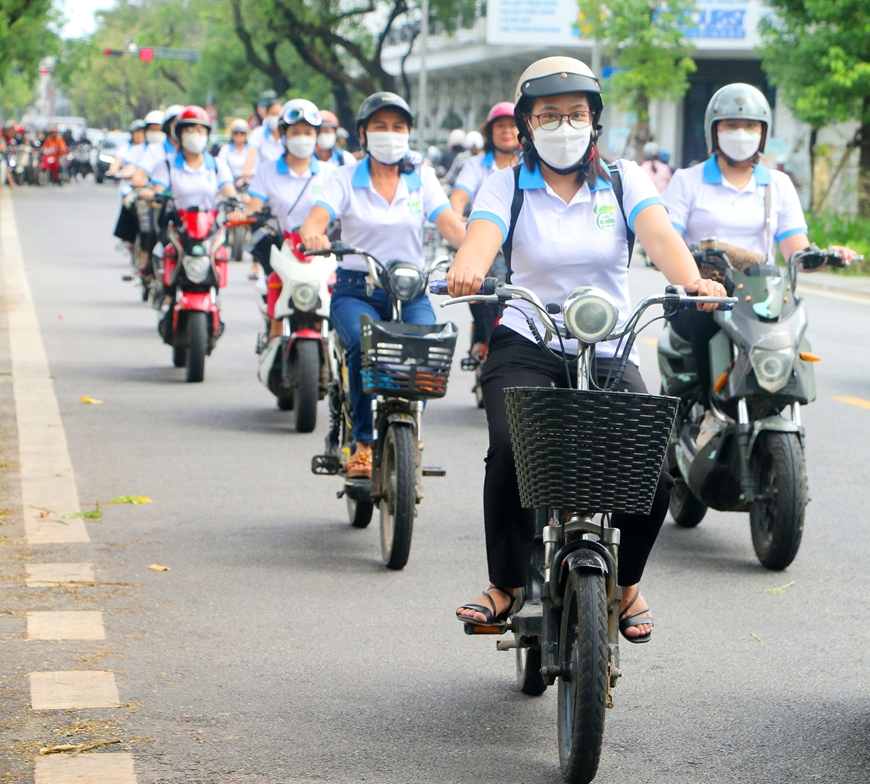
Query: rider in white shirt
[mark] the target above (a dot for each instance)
(161, 145)
(571, 230)
(382, 202)
(265, 143)
(235, 151)
(327, 146)
(738, 200)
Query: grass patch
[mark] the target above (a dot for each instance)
(836, 229)
(95, 514)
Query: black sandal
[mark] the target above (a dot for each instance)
(491, 618)
(625, 621)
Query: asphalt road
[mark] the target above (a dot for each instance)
(279, 649)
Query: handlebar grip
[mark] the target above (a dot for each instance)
(723, 306)
(487, 289)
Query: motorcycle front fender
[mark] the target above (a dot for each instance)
(586, 560)
(776, 424)
(195, 300)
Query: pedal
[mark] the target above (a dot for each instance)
(126, 278)
(434, 471)
(325, 465)
(499, 628)
(470, 363)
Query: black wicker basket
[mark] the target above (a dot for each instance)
(406, 360)
(588, 451)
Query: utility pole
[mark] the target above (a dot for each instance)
(422, 102)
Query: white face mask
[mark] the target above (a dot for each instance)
(739, 145)
(155, 137)
(272, 122)
(194, 142)
(386, 147)
(564, 147)
(301, 146)
(326, 141)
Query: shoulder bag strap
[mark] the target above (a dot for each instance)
(616, 180)
(516, 206)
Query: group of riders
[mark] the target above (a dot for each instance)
(579, 216)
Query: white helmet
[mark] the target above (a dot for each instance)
(154, 117)
(239, 125)
(171, 113)
(296, 111)
(474, 139)
(456, 138)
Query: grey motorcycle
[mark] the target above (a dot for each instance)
(762, 372)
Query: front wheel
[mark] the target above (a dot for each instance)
(686, 510)
(197, 335)
(583, 683)
(238, 243)
(306, 378)
(777, 515)
(42, 177)
(399, 495)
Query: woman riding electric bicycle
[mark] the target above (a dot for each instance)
(736, 199)
(572, 228)
(383, 202)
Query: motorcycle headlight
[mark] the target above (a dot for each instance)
(196, 268)
(305, 296)
(406, 282)
(590, 314)
(772, 366)
(107, 159)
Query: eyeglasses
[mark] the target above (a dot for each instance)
(550, 121)
(240, 133)
(311, 116)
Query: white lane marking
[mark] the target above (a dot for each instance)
(831, 293)
(85, 769)
(47, 485)
(40, 575)
(65, 625)
(73, 689)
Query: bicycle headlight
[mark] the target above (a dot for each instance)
(196, 268)
(590, 314)
(772, 366)
(405, 280)
(305, 296)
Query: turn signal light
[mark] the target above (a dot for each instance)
(721, 382)
(806, 356)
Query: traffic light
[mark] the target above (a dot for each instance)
(114, 53)
(146, 54)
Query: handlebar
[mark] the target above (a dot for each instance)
(488, 289)
(813, 258)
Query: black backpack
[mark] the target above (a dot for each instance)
(517, 205)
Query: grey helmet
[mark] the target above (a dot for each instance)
(737, 101)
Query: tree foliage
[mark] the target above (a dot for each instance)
(817, 52)
(644, 39)
(26, 36)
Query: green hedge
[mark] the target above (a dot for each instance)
(833, 229)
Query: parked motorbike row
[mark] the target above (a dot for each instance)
(29, 165)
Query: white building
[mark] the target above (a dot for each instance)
(476, 67)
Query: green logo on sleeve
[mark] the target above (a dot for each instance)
(605, 216)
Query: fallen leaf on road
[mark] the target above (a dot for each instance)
(60, 316)
(780, 588)
(130, 499)
(753, 634)
(75, 748)
(42, 515)
(158, 568)
(92, 401)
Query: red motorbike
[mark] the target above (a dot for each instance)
(49, 169)
(195, 259)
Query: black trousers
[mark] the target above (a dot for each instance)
(484, 316)
(698, 327)
(510, 530)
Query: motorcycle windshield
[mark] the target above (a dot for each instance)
(197, 223)
(765, 290)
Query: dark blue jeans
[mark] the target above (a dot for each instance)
(349, 302)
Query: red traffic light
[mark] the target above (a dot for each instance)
(146, 55)
(113, 53)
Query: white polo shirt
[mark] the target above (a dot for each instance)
(133, 154)
(386, 230)
(235, 159)
(154, 155)
(290, 195)
(473, 173)
(703, 204)
(558, 247)
(270, 148)
(339, 157)
(193, 187)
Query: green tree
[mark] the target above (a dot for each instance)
(26, 35)
(818, 53)
(343, 41)
(644, 39)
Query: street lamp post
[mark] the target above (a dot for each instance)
(423, 87)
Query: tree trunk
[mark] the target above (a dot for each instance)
(640, 133)
(346, 115)
(814, 136)
(864, 162)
